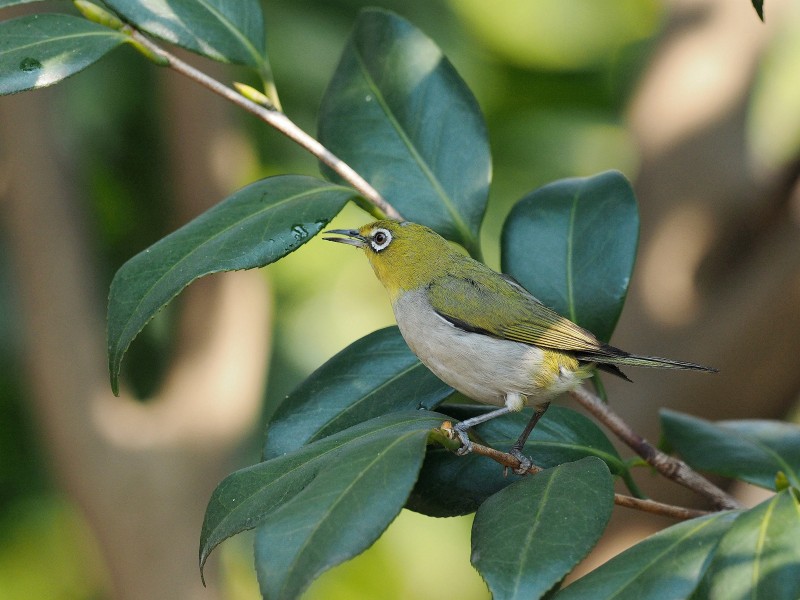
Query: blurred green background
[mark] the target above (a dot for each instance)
(559, 82)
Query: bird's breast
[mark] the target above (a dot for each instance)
(481, 367)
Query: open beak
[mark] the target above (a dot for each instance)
(353, 237)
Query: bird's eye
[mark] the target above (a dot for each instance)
(380, 239)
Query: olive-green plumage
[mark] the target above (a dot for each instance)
(478, 330)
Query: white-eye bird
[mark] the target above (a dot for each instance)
(480, 331)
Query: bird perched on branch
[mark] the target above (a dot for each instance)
(480, 331)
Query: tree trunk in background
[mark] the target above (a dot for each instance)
(140, 472)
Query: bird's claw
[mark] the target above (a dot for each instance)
(525, 463)
(466, 444)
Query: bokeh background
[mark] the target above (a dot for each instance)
(696, 101)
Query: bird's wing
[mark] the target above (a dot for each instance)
(485, 302)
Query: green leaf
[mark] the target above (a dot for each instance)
(397, 111)
(665, 566)
(451, 485)
(758, 557)
(40, 50)
(759, 6)
(322, 504)
(572, 244)
(750, 450)
(528, 536)
(376, 375)
(254, 227)
(225, 30)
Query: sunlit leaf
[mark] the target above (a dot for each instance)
(572, 244)
(255, 226)
(451, 485)
(40, 50)
(665, 566)
(750, 450)
(376, 375)
(528, 536)
(397, 112)
(322, 504)
(759, 557)
(225, 30)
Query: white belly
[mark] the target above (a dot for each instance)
(486, 369)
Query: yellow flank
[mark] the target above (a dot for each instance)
(552, 363)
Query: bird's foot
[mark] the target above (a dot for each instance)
(525, 463)
(466, 444)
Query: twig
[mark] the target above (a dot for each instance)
(669, 466)
(272, 117)
(649, 506)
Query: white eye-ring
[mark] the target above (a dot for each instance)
(379, 239)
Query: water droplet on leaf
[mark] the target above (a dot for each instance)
(29, 64)
(299, 232)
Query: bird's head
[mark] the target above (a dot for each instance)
(404, 255)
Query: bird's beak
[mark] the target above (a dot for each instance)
(353, 237)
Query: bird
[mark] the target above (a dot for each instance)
(482, 332)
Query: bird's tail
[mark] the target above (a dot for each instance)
(610, 355)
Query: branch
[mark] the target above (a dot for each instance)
(669, 466)
(270, 116)
(511, 462)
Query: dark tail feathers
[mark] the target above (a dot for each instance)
(612, 356)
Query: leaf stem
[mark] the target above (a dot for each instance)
(669, 466)
(274, 118)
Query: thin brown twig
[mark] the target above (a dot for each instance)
(669, 466)
(649, 506)
(274, 118)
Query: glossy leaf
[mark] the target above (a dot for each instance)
(322, 504)
(572, 244)
(759, 557)
(375, 375)
(397, 112)
(750, 450)
(40, 50)
(665, 566)
(528, 536)
(225, 30)
(451, 485)
(255, 226)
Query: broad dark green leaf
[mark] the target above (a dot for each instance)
(451, 485)
(322, 504)
(397, 112)
(254, 227)
(376, 375)
(225, 30)
(759, 6)
(528, 536)
(665, 566)
(40, 50)
(759, 557)
(572, 244)
(750, 450)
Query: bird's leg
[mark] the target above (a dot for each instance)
(462, 427)
(516, 450)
